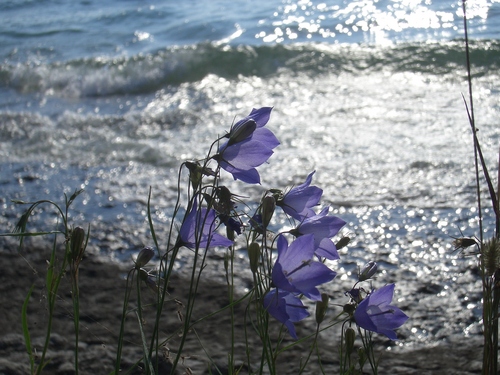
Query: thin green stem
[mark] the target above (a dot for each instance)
(368, 346)
(76, 313)
(26, 333)
(313, 346)
(230, 287)
(119, 348)
(52, 284)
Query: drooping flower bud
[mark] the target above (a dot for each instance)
(225, 204)
(349, 308)
(196, 173)
(362, 357)
(144, 257)
(241, 132)
(321, 307)
(350, 337)
(77, 244)
(462, 243)
(268, 207)
(343, 242)
(254, 256)
(368, 271)
(277, 194)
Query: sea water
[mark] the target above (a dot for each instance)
(112, 97)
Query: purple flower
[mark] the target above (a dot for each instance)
(231, 223)
(296, 272)
(198, 230)
(376, 314)
(253, 126)
(249, 146)
(323, 228)
(298, 201)
(368, 271)
(286, 308)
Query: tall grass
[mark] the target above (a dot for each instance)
(488, 250)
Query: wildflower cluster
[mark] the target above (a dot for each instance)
(289, 265)
(282, 279)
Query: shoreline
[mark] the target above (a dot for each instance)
(102, 288)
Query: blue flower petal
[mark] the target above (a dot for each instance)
(376, 314)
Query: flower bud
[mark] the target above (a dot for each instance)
(241, 132)
(343, 242)
(368, 271)
(462, 243)
(349, 308)
(254, 256)
(362, 357)
(350, 337)
(77, 244)
(195, 175)
(268, 207)
(321, 307)
(144, 257)
(224, 194)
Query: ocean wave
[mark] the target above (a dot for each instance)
(147, 73)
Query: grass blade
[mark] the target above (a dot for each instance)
(26, 332)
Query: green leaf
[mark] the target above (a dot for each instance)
(26, 333)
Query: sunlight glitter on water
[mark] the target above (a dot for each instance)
(371, 19)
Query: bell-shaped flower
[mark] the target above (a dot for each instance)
(295, 270)
(145, 255)
(298, 202)
(252, 126)
(368, 271)
(375, 313)
(323, 227)
(198, 230)
(249, 146)
(286, 308)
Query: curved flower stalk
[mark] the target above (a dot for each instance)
(249, 146)
(285, 308)
(323, 227)
(375, 313)
(198, 230)
(298, 202)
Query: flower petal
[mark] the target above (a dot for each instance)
(286, 308)
(298, 202)
(376, 314)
